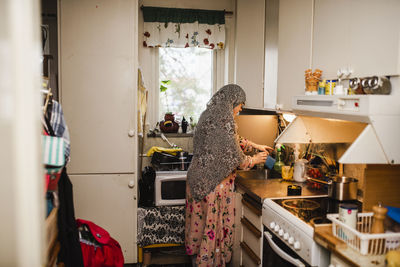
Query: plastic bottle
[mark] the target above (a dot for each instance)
(278, 163)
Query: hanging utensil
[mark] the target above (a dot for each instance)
(169, 143)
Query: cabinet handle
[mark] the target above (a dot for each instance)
(253, 256)
(131, 133)
(131, 184)
(251, 227)
(257, 211)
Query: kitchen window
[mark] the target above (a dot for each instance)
(185, 81)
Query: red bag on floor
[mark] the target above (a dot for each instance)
(99, 249)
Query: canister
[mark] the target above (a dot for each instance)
(330, 84)
(321, 87)
(348, 214)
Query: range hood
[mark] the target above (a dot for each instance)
(370, 123)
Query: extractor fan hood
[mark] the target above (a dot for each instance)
(371, 123)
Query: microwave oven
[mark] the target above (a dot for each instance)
(170, 188)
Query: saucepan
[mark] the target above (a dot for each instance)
(340, 187)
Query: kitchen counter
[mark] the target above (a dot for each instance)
(324, 237)
(255, 184)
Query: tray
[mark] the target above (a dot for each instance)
(360, 239)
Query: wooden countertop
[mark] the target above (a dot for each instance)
(324, 237)
(255, 184)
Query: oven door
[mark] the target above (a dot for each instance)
(277, 253)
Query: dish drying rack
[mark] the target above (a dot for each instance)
(360, 239)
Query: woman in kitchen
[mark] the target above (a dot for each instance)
(210, 202)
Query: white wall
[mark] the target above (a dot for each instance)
(21, 184)
(148, 56)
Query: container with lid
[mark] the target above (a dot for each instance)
(378, 86)
(330, 85)
(348, 214)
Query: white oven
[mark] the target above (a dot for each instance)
(288, 240)
(170, 188)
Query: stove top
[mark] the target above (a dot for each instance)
(313, 210)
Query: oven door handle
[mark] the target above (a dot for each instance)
(282, 253)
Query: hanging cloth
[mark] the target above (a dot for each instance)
(59, 126)
(176, 27)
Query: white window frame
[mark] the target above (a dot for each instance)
(222, 72)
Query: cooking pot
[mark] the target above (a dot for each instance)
(340, 187)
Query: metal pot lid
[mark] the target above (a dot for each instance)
(348, 206)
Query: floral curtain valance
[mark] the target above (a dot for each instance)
(176, 27)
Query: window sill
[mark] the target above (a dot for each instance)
(171, 135)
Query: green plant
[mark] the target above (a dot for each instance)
(163, 89)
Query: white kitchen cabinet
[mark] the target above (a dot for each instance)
(98, 82)
(249, 50)
(294, 49)
(288, 40)
(236, 256)
(109, 201)
(248, 233)
(337, 262)
(98, 77)
(362, 35)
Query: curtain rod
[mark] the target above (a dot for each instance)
(226, 12)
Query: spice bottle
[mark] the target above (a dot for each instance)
(321, 87)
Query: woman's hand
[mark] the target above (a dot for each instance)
(262, 148)
(260, 157)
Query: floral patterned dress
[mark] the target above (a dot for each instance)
(209, 225)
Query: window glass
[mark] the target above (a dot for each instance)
(185, 81)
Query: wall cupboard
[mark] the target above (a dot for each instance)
(249, 50)
(360, 36)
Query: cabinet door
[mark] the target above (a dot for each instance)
(331, 36)
(294, 49)
(359, 34)
(249, 47)
(98, 77)
(110, 202)
(374, 33)
(238, 229)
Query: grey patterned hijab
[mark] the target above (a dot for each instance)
(216, 149)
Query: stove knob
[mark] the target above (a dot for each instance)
(291, 240)
(281, 232)
(297, 245)
(286, 236)
(272, 225)
(276, 229)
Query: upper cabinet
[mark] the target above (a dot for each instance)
(361, 35)
(294, 49)
(288, 42)
(249, 50)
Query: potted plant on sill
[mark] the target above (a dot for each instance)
(168, 125)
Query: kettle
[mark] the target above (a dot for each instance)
(299, 170)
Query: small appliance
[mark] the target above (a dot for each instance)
(170, 188)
